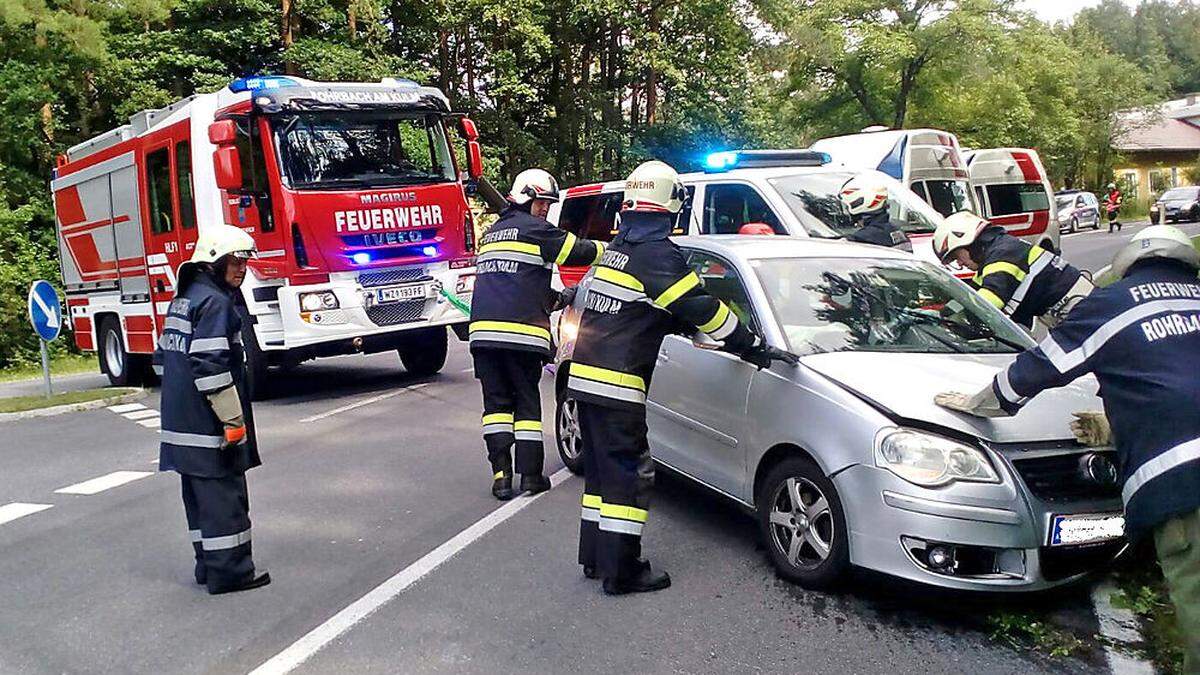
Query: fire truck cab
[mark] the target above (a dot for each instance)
(352, 193)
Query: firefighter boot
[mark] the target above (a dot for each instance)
(534, 484)
(645, 581)
(502, 488)
(260, 579)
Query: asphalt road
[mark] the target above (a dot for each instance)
(1094, 249)
(371, 477)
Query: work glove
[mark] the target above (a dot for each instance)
(761, 356)
(227, 406)
(981, 404)
(1091, 428)
(565, 298)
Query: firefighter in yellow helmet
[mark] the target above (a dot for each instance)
(641, 291)
(207, 424)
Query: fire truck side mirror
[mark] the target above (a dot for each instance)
(222, 132)
(228, 167)
(474, 160)
(467, 126)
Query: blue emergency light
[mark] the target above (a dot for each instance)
(721, 161)
(430, 251)
(361, 258)
(266, 82)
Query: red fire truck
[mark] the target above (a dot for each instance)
(351, 191)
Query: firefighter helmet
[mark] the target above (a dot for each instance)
(955, 232)
(533, 184)
(218, 241)
(864, 194)
(653, 186)
(1156, 241)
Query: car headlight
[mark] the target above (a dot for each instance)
(315, 302)
(567, 329)
(929, 460)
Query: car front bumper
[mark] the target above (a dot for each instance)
(998, 533)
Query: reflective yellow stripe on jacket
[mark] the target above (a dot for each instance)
(677, 290)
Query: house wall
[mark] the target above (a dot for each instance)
(1133, 172)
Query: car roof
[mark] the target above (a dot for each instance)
(758, 247)
(753, 174)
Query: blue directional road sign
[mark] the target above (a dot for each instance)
(45, 313)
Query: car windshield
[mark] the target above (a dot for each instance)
(949, 196)
(813, 197)
(1180, 194)
(343, 150)
(1065, 201)
(893, 305)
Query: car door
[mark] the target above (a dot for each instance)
(697, 401)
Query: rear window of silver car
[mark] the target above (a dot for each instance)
(863, 304)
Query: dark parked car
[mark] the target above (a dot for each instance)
(1077, 209)
(1180, 204)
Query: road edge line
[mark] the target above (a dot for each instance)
(72, 407)
(315, 640)
(1118, 626)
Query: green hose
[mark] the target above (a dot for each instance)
(456, 301)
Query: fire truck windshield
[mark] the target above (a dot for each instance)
(340, 150)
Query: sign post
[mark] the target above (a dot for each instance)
(45, 313)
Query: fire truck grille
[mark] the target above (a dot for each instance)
(396, 312)
(394, 275)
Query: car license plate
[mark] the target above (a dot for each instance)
(398, 293)
(1086, 529)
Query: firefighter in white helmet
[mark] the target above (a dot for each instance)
(1139, 336)
(865, 198)
(641, 291)
(207, 424)
(510, 326)
(1024, 281)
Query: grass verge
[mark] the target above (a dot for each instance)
(68, 364)
(1020, 629)
(23, 403)
(1143, 591)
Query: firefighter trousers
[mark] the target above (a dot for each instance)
(218, 519)
(618, 475)
(512, 409)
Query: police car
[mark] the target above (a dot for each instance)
(786, 192)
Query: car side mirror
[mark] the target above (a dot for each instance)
(227, 166)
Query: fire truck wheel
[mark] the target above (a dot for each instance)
(256, 382)
(423, 351)
(114, 360)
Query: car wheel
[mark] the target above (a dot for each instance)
(423, 352)
(803, 524)
(566, 432)
(1194, 216)
(1074, 226)
(114, 360)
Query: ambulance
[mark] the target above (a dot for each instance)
(1014, 192)
(351, 191)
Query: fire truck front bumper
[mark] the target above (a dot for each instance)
(374, 304)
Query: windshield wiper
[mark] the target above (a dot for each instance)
(977, 332)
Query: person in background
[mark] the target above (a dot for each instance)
(1112, 207)
(865, 198)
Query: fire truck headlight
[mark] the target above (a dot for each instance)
(314, 302)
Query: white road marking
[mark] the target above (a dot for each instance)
(316, 639)
(366, 401)
(126, 407)
(105, 482)
(11, 511)
(151, 424)
(1120, 627)
(140, 414)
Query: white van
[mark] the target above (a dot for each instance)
(1014, 192)
(927, 161)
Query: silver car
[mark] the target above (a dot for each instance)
(844, 459)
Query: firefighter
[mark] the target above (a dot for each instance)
(510, 326)
(1022, 280)
(1112, 207)
(1139, 337)
(866, 199)
(207, 424)
(641, 290)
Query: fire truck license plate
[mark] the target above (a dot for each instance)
(398, 293)
(1086, 529)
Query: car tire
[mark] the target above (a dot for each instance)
(1194, 215)
(566, 431)
(115, 361)
(423, 351)
(1074, 226)
(256, 382)
(818, 522)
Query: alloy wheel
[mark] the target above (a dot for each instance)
(802, 524)
(569, 439)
